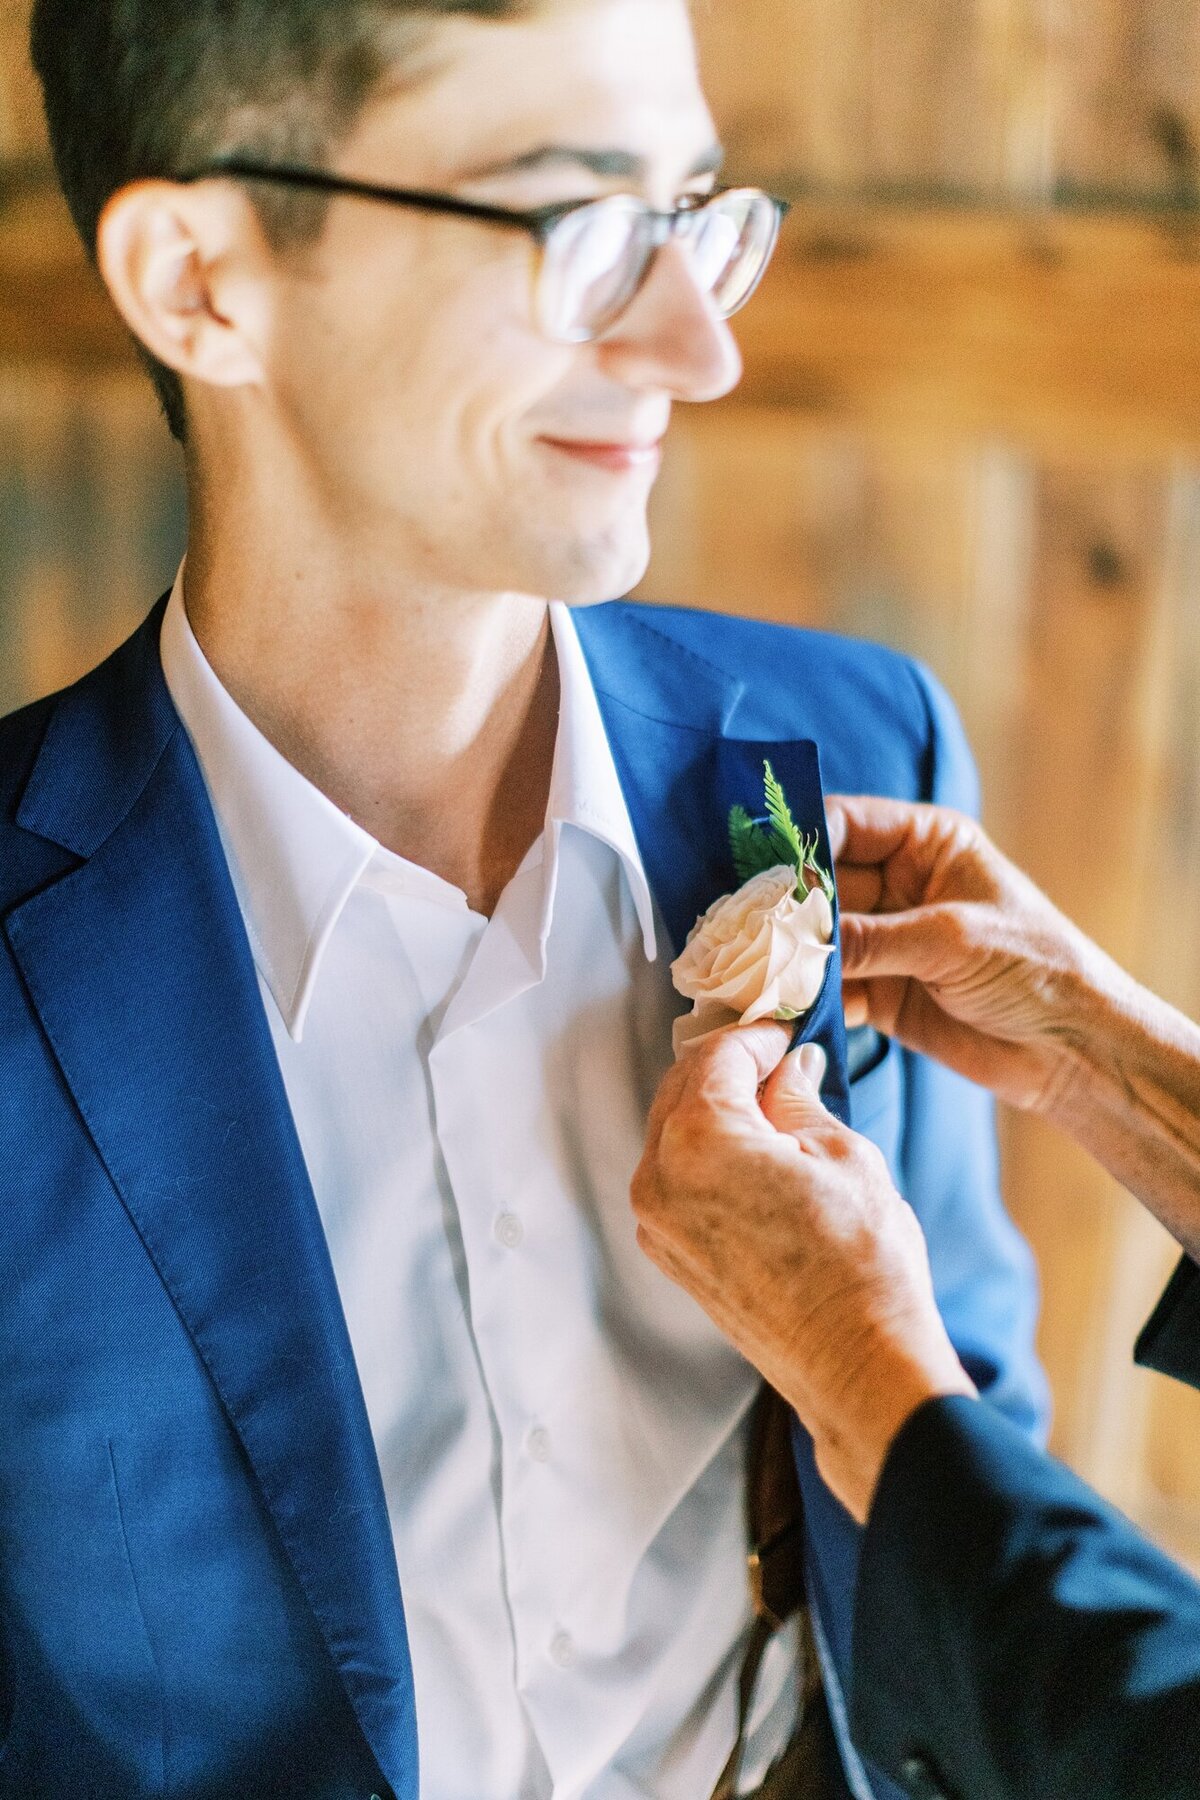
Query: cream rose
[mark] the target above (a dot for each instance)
(754, 954)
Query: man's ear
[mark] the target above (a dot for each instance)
(184, 266)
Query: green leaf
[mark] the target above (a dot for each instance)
(823, 875)
(810, 866)
(753, 850)
(782, 823)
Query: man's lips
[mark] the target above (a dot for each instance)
(622, 458)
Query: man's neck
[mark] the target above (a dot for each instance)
(429, 717)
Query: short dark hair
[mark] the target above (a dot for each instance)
(137, 88)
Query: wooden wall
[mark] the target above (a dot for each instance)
(970, 427)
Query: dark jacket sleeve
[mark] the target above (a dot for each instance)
(1014, 1635)
(1170, 1342)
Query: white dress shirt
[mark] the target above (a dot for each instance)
(561, 1431)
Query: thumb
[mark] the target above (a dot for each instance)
(791, 1100)
(909, 944)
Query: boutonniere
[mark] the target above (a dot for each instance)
(759, 953)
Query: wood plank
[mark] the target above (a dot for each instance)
(53, 307)
(22, 126)
(91, 522)
(1129, 94)
(1076, 807)
(1070, 335)
(785, 81)
(1007, 99)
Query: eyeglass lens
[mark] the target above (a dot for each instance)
(596, 259)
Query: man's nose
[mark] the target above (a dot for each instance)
(673, 337)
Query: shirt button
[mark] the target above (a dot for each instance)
(562, 1651)
(538, 1444)
(509, 1231)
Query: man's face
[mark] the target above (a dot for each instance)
(434, 421)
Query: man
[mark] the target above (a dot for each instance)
(338, 909)
(1014, 1635)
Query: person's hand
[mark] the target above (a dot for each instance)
(786, 1227)
(950, 949)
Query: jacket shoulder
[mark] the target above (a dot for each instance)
(873, 710)
(21, 736)
(89, 745)
(742, 646)
(26, 860)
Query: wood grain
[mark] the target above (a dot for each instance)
(1073, 336)
(22, 127)
(53, 307)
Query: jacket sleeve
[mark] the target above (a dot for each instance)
(1046, 1647)
(948, 1167)
(1170, 1341)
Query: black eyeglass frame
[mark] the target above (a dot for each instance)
(540, 222)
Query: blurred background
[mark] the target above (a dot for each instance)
(970, 427)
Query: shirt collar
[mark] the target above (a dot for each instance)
(585, 790)
(295, 858)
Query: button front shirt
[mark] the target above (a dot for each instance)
(561, 1431)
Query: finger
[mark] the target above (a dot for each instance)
(670, 1088)
(926, 945)
(723, 1075)
(860, 890)
(856, 1004)
(737, 1061)
(835, 825)
(910, 847)
(871, 829)
(909, 1013)
(791, 1100)
(919, 1023)
(700, 1282)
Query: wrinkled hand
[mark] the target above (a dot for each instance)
(949, 948)
(786, 1227)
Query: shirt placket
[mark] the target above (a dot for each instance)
(497, 1141)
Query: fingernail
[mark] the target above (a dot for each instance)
(813, 1064)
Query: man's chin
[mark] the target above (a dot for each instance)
(560, 559)
(594, 571)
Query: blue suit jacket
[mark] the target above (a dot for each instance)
(198, 1594)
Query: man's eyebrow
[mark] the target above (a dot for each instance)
(609, 165)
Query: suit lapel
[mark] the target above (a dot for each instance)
(671, 723)
(138, 965)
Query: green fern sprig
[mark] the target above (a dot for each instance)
(757, 847)
(753, 849)
(783, 825)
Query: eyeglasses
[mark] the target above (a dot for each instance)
(595, 255)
